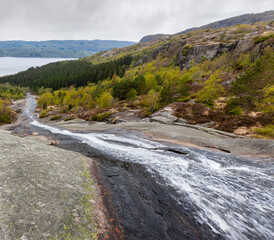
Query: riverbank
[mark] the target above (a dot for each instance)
(187, 135)
(182, 134)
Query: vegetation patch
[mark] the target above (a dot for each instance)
(263, 38)
(43, 114)
(55, 117)
(267, 131)
(101, 117)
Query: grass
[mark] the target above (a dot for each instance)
(267, 131)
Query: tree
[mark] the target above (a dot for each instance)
(152, 98)
(105, 100)
(212, 89)
(132, 94)
(267, 104)
(45, 100)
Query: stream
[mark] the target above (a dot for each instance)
(164, 191)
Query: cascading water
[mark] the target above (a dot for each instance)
(234, 196)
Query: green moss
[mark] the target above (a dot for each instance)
(85, 227)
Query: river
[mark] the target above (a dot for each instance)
(175, 192)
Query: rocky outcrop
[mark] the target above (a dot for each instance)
(45, 192)
(153, 37)
(242, 19)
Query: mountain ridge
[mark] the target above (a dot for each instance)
(58, 48)
(248, 18)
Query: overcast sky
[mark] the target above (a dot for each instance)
(114, 19)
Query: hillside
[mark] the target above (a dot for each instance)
(221, 79)
(249, 18)
(58, 49)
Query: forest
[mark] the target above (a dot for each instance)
(66, 73)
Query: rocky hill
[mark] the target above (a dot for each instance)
(249, 18)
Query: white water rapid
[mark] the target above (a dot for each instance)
(232, 195)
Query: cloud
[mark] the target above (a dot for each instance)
(113, 19)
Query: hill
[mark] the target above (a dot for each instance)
(249, 18)
(58, 49)
(219, 78)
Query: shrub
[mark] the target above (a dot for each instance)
(233, 103)
(6, 114)
(236, 111)
(55, 117)
(132, 94)
(212, 90)
(243, 28)
(69, 118)
(45, 100)
(152, 98)
(267, 103)
(105, 100)
(263, 38)
(43, 114)
(184, 99)
(267, 131)
(101, 117)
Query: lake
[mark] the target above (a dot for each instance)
(12, 65)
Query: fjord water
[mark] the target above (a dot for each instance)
(233, 196)
(12, 65)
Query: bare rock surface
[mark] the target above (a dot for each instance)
(188, 134)
(45, 192)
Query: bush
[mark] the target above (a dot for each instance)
(69, 118)
(43, 114)
(263, 38)
(233, 103)
(243, 28)
(236, 111)
(101, 117)
(184, 99)
(55, 117)
(132, 94)
(267, 131)
(212, 90)
(6, 114)
(105, 100)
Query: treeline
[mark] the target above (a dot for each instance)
(9, 92)
(58, 48)
(66, 73)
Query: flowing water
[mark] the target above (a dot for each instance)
(234, 196)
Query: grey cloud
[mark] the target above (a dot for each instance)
(113, 19)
